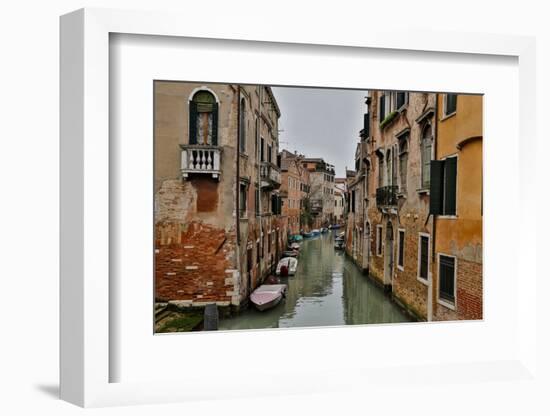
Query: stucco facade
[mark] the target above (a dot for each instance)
(459, 236)
(414, 221)
(218, 228)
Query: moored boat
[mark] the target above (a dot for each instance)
(288, 263)
(290, 253)
(294, 246)
(268, 296)
(339, 243)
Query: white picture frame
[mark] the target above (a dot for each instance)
(85, 343)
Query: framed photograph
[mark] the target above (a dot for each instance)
(235, 210)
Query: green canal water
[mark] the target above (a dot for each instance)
(328, 289)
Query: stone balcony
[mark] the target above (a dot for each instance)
(200, 159)
(270, 175)
(386, 197)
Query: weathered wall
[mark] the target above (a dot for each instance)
(412, 210)
(195, 240)
(462, 235)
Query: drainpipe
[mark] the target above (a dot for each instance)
(238, 174)
(258, 152)
(430, 280)
(237, 199)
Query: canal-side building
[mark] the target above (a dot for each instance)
(218, 224)
(321, 191)
(356, 237)
(394, 231)
(294, 189)
(456, 203)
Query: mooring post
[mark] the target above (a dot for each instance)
(211, 317)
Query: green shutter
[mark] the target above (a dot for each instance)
(192, 122)
(436, 187)
(215, 125)
(449, 206)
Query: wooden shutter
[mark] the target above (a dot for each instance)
(449, 206)
(447, 278)
(215, 124)
(366, 126)
(382, 108)
(436, 187)
(192, 122)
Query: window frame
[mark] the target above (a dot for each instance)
(446, 114)
(243, 212)
(379, 242)
(445, 302)
(423, 141)
(400, 247)
(242, 126)
(422, 280)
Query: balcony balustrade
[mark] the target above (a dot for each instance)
(200, 159)
(270, 175)
(386, 196)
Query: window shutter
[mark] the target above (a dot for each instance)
(382, 108)
(450, 187)
(192, 122)
(366, 125)
(215, 125)
(436, 187)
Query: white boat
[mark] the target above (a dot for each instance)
(268, 296)
(295, 246)
(290, 263)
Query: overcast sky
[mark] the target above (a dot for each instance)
(321, 123)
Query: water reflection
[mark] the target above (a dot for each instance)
(328, 289)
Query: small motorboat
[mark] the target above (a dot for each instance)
(324, 230)
(295, 238)
(308, 235)
(334, 226)
(290, 253)
(315, 232)
(294, 246)
(339, 243)
(268, 296)
(287, 265)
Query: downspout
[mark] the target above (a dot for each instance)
(258, 153)
(238, 184)
(430, 282)
(238, 173)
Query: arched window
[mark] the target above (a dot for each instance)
(242, 127)
(426, 154)
(203, 119)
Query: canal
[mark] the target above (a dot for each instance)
(328, 289)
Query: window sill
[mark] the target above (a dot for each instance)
(447, 217)
(422, 280)
(423, 191)
(401, 268)
(243, 154)
(446, 116)
(446, 304)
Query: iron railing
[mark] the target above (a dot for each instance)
(386, 196)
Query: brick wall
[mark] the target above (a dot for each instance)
(198, 267)
(469, 294)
